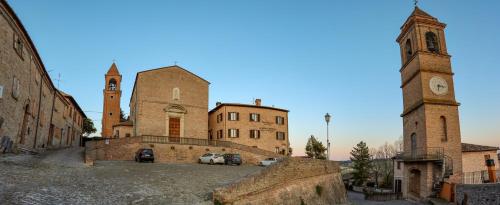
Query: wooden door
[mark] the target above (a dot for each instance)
(174, 127)
(415, 182)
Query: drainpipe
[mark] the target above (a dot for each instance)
(51, 116)
(38, 115)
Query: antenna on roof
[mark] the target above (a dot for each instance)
(58, 79)
(415, 2)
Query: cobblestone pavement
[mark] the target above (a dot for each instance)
(359, 199)
(60, 177)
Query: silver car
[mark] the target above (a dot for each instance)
(211, 158)
(268, 161)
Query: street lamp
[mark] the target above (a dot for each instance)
(327, 119)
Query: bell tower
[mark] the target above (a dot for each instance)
(431, 129)
(111, 108)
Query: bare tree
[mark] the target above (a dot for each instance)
(382, 164)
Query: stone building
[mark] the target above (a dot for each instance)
(28, 97)
(255, 125)
(432, 142)
(169, 101)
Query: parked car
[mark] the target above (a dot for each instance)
(268, 161)
(211, 158)
(144, 154)
(231, 159)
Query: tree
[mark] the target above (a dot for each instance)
(122, 116)
(361, 160)
(88, 127)
(315, 148)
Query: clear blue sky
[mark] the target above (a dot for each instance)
(310, 57)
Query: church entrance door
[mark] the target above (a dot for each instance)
(174, 127)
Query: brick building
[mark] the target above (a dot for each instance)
(432, 142)
(255, 125)
(35, 114)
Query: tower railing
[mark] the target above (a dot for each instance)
(423, 154)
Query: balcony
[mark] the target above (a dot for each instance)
(423, 154)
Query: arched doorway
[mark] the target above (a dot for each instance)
(414, 185)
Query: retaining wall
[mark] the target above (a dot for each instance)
(292, 181)
(480, 194)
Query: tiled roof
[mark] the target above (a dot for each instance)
(125, 123)
(466, 147)
(113, 70)
(420, 12)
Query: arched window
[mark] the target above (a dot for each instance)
(112, 84)
(444, 129)
(176, 94)
(413, 140)
(432, 42)
(408, 49)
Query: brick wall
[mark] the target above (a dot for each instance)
(292, 181)
(125, 148)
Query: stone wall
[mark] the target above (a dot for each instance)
(478, 193)
(125, 148)
(292, 181)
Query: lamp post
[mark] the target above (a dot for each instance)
(327, 119)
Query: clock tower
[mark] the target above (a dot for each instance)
(111, 108)
(432, 143)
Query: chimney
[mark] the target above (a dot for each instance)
(258, 101)
(217, 104)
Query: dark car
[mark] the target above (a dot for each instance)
(144, 155)
(232, 159)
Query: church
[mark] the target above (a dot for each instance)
(172, 103)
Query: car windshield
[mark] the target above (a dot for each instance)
(217, 155)
(236, 156)
(270, 159)
(147, 151)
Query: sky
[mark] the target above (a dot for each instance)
(310, 57)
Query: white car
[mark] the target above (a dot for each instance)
(268, 162)
(211, 158)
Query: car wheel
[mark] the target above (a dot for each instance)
(153, 161)
(211, 161)
(199, 161)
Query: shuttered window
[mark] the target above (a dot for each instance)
(233, 133)
(233, 116)
(255, 134)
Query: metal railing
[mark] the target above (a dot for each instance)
(423, 154)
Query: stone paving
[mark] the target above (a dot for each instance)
(356, 198)
(60, 177)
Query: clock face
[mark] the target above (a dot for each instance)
(438, 85)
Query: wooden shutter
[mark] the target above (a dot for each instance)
(237, 116)
(276, 119)
(258, 134)
(237, 132)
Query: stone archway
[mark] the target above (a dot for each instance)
(414, 182)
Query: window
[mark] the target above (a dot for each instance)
(444, 129)
(432, 42)
(280, 120)
(176, 94)
(112, 84)
(220, 134)
(127, 135)
(255, 134)
(15, 88)
(219, 118)
(233, 133)
(18, 45)
(110, 114)
(280, 135)
(277, 150)
(408, 49)
(233, 116)
(399, 165)
(254, 117)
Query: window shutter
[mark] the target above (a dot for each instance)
(250, 117)
(258, 117)
(276, 135)
(229, 133)
(238, 133)
(229, 116)
(238, 116)
(258, 133)
(276, 119)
